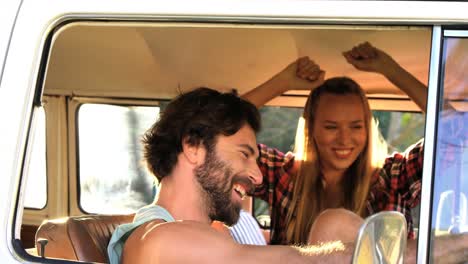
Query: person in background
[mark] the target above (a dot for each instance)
(247, 230)
(339, 162)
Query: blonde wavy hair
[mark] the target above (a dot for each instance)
(308, 195)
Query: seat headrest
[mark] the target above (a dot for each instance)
(82, 238)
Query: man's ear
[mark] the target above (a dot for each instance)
(194, 153)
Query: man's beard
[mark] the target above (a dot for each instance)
(213, 176)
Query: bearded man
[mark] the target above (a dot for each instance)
(203, 151)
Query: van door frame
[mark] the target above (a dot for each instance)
(26, 90)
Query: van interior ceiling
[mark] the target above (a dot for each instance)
(160, 60)
(130, 65)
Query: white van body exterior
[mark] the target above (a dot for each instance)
(24, 26)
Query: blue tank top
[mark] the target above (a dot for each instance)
(122, 232)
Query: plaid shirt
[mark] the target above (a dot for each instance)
(397, 186)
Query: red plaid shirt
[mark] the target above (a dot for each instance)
(397, 186)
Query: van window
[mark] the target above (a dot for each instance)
(36, 185)
(112, 177)
(279, 126)
(399, 129)
(450, 179)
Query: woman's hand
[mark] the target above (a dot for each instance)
(302, 74)
(366, 57)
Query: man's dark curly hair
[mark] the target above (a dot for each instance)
(198, 116)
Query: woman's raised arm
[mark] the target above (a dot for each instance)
(302, 74)
(366, 57)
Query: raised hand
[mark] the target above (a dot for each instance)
(366, 57)
(302, 74)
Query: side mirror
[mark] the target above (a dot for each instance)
(381, 239)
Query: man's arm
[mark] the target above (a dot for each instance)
(365, 57)
(302, 74)
(446, 249)
(192, 242)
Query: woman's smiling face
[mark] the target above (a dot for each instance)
(339, 131)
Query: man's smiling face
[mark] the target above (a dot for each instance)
(229, 173)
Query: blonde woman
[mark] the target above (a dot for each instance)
(338, 165)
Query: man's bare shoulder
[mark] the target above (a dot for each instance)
(163, 242)
(139, 240)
